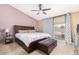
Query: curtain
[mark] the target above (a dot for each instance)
(68, 28)
(48, 26)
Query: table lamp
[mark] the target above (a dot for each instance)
(7, 32)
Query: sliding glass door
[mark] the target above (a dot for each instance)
(59, 27)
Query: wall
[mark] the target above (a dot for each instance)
(40, 26)
(59, 19)
(10, 16)
(75, 19)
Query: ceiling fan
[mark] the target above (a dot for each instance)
(41, 10)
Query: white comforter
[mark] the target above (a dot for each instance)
(27, 38)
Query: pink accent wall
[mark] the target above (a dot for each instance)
(10, 16)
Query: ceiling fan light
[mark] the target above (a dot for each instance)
(41, 12)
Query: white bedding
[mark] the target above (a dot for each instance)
(27, 38)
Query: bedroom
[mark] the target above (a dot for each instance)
(22, 17)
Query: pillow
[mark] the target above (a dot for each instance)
(31, 31)
(23, 31)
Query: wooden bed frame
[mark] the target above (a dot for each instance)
(32, 46)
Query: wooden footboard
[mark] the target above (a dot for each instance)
(28, 49)
(31, 47)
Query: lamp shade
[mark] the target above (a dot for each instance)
(7, 30)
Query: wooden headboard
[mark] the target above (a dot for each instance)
(18, 27)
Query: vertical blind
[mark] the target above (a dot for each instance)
(48, 26)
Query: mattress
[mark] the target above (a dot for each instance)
(27, 38)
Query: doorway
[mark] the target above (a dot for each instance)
(59, 28)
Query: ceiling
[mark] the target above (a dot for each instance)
(56, 9)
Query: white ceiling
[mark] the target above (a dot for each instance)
(56, 9)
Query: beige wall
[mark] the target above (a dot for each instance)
(75, 19)
(40, 26)
(59, 19)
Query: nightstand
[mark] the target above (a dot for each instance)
(8, 39)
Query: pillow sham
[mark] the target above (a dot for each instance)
(31, 31)
(23, 31)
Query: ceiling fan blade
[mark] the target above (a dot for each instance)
(34, 10)
(45, 13)
(40, 6)
(46, 9)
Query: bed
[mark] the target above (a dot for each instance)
(28, 40)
